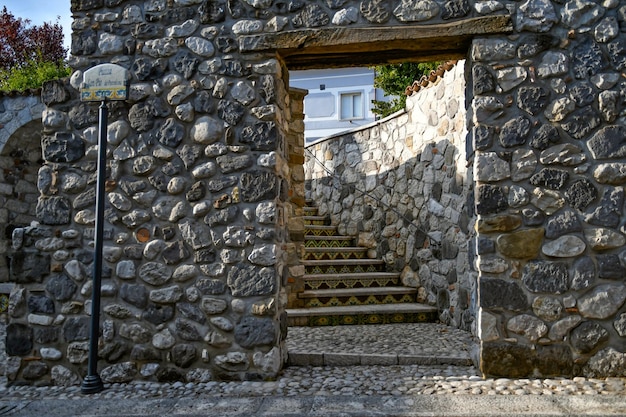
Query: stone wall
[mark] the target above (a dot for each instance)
(401, 185)
(548, 132)
(197, 205)
(20, 160)
(201, 188)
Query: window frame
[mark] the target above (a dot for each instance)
(352, 94)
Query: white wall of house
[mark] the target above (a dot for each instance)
(339, 99)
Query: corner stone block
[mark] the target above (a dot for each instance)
(607, 363)
(27, 267)
(19, 339)
(602, 302)
(523, 244)
(247, 281)
(76, 329)
(518, 361)
(63, 147)
(257, 186)
(498, 294)
(587, 336)
(252, 331)
(490, 199)
(54, 210)
(546, 277)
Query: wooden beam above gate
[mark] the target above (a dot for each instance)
(362, 46)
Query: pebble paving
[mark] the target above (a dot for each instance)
(354, 380)
(409, 339)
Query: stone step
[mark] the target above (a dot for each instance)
(315, 220)
(328, 241)
(345, 292)
(351, 280)
(362, 314)
(350, 252)
(358, 296)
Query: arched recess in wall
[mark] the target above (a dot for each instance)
(20, 160)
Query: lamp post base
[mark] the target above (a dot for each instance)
(91, 384)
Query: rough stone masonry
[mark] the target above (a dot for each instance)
(401, 186)
(205, 180)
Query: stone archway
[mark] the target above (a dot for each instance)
(16, 112)
(20, 155)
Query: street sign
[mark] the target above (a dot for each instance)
(105, 82)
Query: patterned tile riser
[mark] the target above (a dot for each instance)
(349, 283)
(356, 300)
(336, 243)
(320, 232)
(343, 269)
(329, 256)
(338, 320)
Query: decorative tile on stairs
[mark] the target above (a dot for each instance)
(343, 286)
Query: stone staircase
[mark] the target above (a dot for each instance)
(343, 286)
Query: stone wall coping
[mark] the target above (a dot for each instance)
(31, 92)
(6, 288)
(357, 129)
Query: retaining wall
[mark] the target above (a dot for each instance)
(401, 185)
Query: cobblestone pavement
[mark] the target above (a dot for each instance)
(412, 338)
(396, 380)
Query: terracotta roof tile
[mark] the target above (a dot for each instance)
(425, 81)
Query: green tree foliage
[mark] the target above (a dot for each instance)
(393, 79)
(29, 55)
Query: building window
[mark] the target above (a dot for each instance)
(351, 106)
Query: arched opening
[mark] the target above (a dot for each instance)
(20, 160)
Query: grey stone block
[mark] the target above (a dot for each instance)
(342, 359)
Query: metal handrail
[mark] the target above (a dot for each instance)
(365, 193)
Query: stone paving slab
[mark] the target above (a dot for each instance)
(344, 406)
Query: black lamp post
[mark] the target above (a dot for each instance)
(92, 382)
(101, 83)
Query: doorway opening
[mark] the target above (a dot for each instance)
(385, 254)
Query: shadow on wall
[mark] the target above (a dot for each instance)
(402, 187)
(414, 218)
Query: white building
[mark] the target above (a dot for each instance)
(339, 99)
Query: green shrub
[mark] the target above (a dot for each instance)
(32, 75)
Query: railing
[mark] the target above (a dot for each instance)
(331, 173)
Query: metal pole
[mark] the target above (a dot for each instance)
(92, 382)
